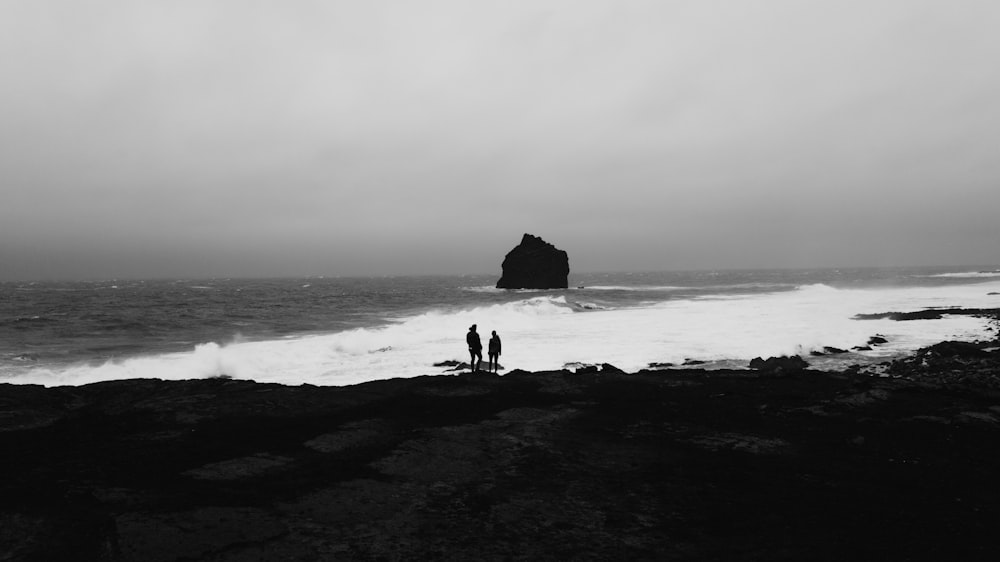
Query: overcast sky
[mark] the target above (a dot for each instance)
(200, 138)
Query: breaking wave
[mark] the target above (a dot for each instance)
(548, 331)
(967, 275)
(634, 288)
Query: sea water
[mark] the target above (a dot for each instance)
(339, 331)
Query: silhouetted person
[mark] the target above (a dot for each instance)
(475, 348)
(494, 353)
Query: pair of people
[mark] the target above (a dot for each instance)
(476, 350)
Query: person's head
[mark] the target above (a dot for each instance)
(494, 332)
(472, 328)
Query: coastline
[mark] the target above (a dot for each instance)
(335, 332)
(679, 464)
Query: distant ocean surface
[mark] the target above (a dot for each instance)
(339, 331)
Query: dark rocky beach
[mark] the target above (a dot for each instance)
(898, 463)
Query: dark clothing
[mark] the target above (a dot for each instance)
(475, 349)
(472, 338)
(494, 365)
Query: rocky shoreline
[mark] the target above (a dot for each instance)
(898, 463)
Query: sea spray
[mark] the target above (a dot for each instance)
(725, 322)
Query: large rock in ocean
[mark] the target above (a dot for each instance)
(534, 264)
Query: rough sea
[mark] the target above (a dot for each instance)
(339, 331)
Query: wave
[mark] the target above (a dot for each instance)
(483, 289)
(700, 288)
(638, 288)
(492, 289)
(581, 305)
(35, 318)
(758, 285)
(406, 346)
(548, 331)
(966, 275)
(819, 289)
(535, 306)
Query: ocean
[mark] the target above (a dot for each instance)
(341, 331)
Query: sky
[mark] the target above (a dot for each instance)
(244, 138)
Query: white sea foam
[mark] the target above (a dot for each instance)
(545, 332)
(967, 275)
(637, 288)
(483, 289)
(652, 288)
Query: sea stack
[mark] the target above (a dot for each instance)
(534, 264)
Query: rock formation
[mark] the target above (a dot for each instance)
(783, 364)
(534, 264)
(689, 465)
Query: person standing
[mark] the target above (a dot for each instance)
(494, 353)
(475, 348)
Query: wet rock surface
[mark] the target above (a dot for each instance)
(677, 465)
(931, 314)
(779, 364)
